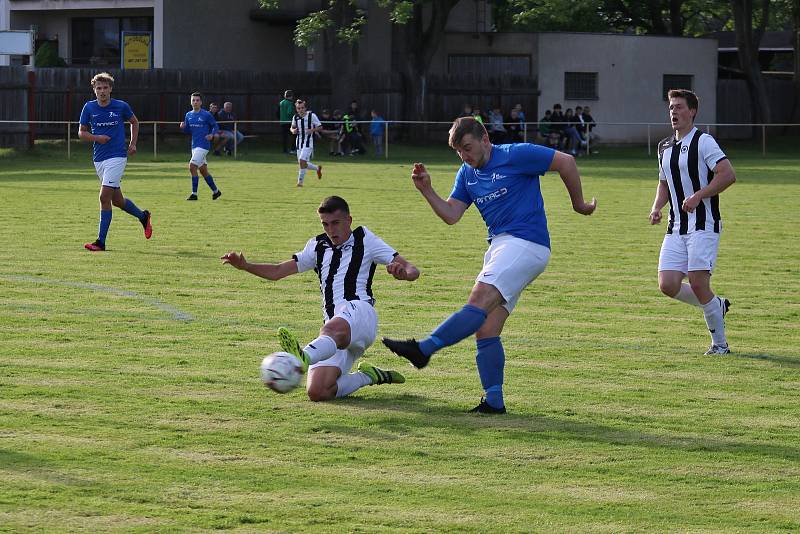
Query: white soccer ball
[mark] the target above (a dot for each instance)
(281, 371)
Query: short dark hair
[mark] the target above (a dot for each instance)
(198, 94)
(333, 204)
(463, 126)
(692, 102)
(299, 101)
(288, 94)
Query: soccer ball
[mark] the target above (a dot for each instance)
(281, 371)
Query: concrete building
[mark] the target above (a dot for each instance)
(622, 77)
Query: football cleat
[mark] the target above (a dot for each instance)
(726, 305)
(408, 349)
(148, 228)
(97, 246)
(485, 407)
(290, 344)
(718, 349)
(379, 376)
(216, 195)
(193, 196)
(319, 172)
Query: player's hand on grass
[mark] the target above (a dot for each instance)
(420, 176)
(655, 217)
(237, 260)
(586, 208)
(102, 139)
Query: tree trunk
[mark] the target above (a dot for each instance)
(796, 78)
(676, 17)
(748, 41)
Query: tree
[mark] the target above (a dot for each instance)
(47, 56)
(748, 40)
(418, 36)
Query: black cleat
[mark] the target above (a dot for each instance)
(485, 407)
(216, 195)
(408, 349)
(726, 305)
(192, 197)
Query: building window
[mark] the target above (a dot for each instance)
(676, 81)
(489, 65)
(96, 41)
(580, 86)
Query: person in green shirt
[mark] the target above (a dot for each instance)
(286, 113)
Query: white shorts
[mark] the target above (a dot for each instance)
(696, 251)
(305, 154)
(363, 320)
(110, 171)
(511, 264)
(199, 156)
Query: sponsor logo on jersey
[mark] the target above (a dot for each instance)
(494, 195)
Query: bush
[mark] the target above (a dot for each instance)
(47, 56)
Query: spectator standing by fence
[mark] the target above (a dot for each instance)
(285, 115)
(377, 128)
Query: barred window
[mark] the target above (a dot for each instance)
(676, 81)
(580, 86)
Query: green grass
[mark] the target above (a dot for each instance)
(117, 416)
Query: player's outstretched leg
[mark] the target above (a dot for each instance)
(408, 349)
(289, 343)
(379, 376)
(714, 312)
(146, 224)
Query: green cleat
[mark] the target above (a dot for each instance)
(290, 344)
(379, 376)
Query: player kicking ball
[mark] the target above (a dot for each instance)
(345, 261)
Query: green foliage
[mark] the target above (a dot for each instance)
(47, 56)
(114, 416)
(310, 27)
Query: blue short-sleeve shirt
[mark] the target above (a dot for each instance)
(107, 120)
(507, 192)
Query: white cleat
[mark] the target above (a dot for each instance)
(718, 349)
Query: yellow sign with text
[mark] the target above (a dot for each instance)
(137, 50)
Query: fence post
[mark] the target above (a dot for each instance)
(235, 136)
(648, 139)
(155, 140)
(763, 139)
(386, 140)
(69, 154)
(524, 132)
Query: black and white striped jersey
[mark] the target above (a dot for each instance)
(686, 166)
(305, 139)
(345, 272)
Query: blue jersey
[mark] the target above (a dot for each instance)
(200, 124)
(110, 121)
(507, 192)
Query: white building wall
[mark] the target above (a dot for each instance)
(630, 74)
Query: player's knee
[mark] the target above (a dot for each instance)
(319, 394)
(669, 287)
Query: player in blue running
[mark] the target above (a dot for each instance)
(102, 123)
(503, 183)
(203, 127)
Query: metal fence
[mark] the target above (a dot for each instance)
(156, 132)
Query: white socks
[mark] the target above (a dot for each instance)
(685, 294)
(310, 166)
(712, 311)
(320, 349)
(301, 174)
(350, 382)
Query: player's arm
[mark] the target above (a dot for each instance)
(565, 165)
(134, 134)
(402, 269)
(293, 127)
(662, 196)
(723, 179)
(270, 271)
(85, 134)
(450, 210)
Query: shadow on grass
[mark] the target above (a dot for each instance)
(525, 428)
(35, 466)
(790, 361)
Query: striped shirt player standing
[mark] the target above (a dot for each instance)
(345, 260)
(304, 125)
(693, 171)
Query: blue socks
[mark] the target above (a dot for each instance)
(458, 326)
(491, 360)
(210, 182)
(131, 208)
(195, 181)
(105, 222)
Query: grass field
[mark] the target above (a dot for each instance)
(129, 391)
